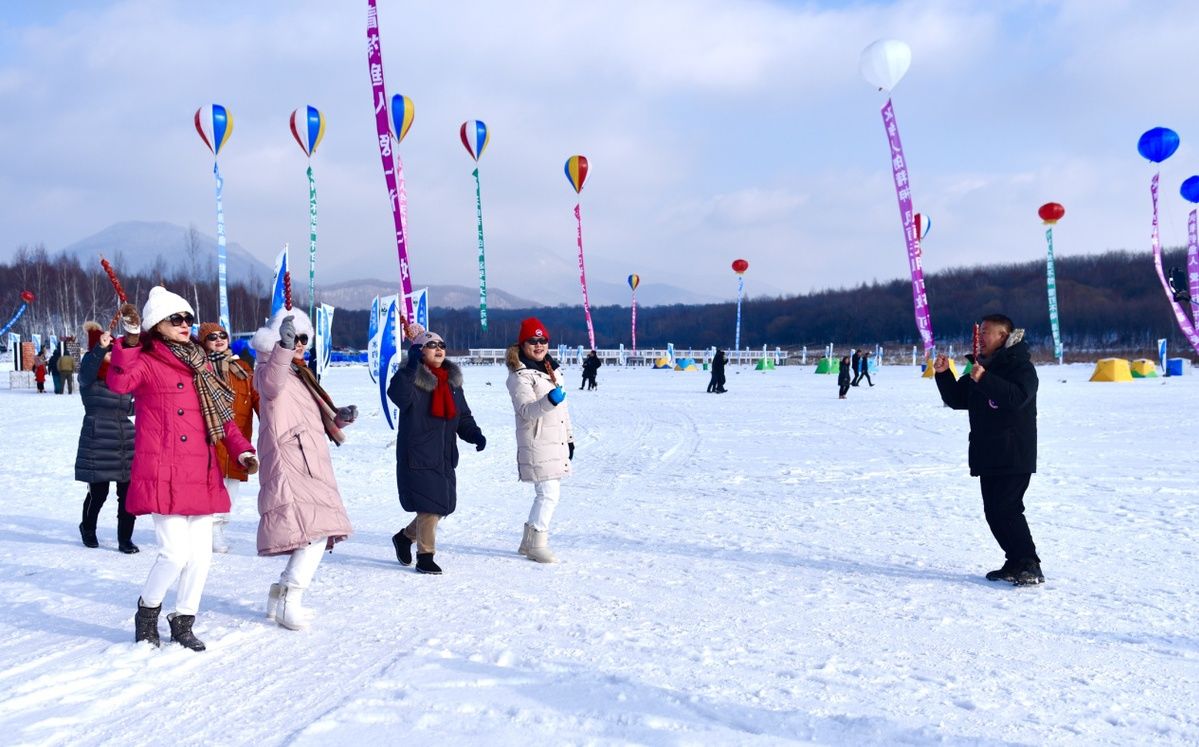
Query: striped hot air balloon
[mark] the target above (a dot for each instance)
(474, 137)
(576, 172)
(215, 125)
(634, 281)
(402, 113)
(308, 128)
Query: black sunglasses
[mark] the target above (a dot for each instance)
(435, 345)
(214, 336)
(181, 320)
(302, 339)
(538, 341)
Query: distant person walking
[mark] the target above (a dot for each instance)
(39, 371)
(105, 453)
(591, 366)
(433, 416)
(1000, 393)
(54, 374)
(856, 365)
(843, 376)
(66, 371)
(183, 408)
(716, 381)
(864, 372)
(544, 438)
(239, 375)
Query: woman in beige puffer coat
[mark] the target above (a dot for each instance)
(544, 439)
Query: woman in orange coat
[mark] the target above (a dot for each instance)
(240, 377)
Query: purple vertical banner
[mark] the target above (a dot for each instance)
(899, 170)
(1193, 264)
(374, 54)
(1184, 321)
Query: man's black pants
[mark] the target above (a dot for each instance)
(1003, 505)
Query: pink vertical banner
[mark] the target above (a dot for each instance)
(1193, 264)
(899, 170)
(583, 280)
(634, 320)
(395, 196)
(1184, 321)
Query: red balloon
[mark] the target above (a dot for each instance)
(740, 266)
(27, 296)
(1051, 212)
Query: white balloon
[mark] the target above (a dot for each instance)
(885, 62)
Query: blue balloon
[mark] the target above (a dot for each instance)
(1190, 189)
(1158, 144)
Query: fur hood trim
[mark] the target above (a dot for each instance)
(266, 338)
(515, 363)
(424, 379)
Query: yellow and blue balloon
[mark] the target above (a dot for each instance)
(402, 114)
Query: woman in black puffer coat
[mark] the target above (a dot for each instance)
(105, 443)
(433, 416)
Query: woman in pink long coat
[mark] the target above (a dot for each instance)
(300, 507)
(182, 409)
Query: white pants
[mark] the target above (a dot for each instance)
(546, 500)
(301, 566)
(233, 486)
(184, 554)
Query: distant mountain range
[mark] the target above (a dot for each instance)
(143, 246)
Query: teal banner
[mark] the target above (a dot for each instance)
(1053, 319)
(482, 260)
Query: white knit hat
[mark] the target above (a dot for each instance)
(160, 305)
(266, 338)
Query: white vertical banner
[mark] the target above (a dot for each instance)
(420, 307)
(14, 347)
(373, 323)
(323, 347)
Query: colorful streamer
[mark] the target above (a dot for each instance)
(1193, 264)
(903, 193)
(583, 280)
(1052, 280)
(1184, 321)
(221, 254)
(19, 312)
(214, 123)
(311, 243)
(482, 257)
(634, 281)
(740, 293)
(383, 131)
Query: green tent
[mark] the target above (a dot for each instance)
(827, 366)
(766, 364)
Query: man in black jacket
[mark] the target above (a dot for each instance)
(1000, 393)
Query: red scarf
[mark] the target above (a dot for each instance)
(443, 397)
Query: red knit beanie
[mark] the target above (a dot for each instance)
(532, 327)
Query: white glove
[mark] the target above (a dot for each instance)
(248, 460)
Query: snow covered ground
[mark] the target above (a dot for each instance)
(758, 567)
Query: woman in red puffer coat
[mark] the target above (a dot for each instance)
(183, 407)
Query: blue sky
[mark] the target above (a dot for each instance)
(714, 130)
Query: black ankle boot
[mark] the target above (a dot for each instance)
(88, 536)
(1009, 571)
(403, 547)
(128, 547)
(181, 631)
(125, 523)
(425, 564)
(145, 624)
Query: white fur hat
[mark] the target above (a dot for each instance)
(160, 305)
(266, 338)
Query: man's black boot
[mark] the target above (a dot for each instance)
(145, 624)
(181, 631)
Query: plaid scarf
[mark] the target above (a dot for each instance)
(216, 398)
(223, 361)
(324, 403)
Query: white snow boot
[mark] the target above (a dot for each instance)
(524, 541)
(291, 613)
(539, 547)
(272, 603)
(219, 543)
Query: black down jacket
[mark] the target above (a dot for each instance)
(427, 446)
(106, 440)
(1003, 412)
